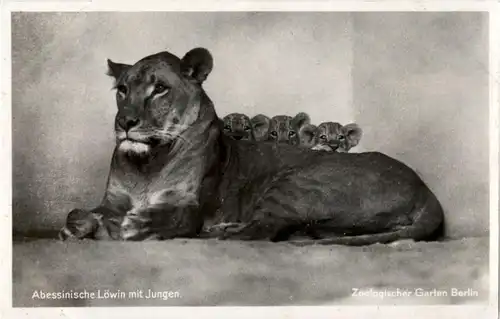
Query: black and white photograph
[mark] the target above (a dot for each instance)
(252, 158)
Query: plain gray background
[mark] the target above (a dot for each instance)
(417, 83)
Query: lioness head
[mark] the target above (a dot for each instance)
(238, 127)
(285, 129)
(332, 136)
(158, 98)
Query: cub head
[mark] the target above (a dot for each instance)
(260, 127)
(285, 129)
(159, 98)
(238, 127)
(332, 136)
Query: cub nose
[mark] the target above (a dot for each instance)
(334, 145)
(128, 122)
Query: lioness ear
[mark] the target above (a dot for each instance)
(260, 126)
(117, 69)
(197, 64)
(307, 134)
(353, 133)
(301, 119)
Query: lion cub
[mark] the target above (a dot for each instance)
(331, 136)
(285, 129)
(238, 127)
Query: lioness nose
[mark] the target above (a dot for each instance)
(127, 122)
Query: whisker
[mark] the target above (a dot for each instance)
(163, 134)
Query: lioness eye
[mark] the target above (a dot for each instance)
(159, 88)
(291, 133)
(323, 137)
(122, 89)
(274, 133)
(247, 128)
(341, 137)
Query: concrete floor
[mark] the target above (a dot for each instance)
(210, 272)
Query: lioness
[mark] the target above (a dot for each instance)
(173, 168)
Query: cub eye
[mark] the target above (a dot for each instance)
(159, 88)
(323, 137)
(247, 128)
(274, 133)
(122, 89)
(227, 127)
(291, 133)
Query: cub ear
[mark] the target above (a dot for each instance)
(307, 135)
(197, 64)
(260, 126)
(301, 119)
(353, 133)
(116, 70)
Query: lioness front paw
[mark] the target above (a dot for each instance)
(79, 224)
(136, 227)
